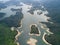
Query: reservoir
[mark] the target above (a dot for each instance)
(29, 19)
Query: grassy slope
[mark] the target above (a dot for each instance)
(7, 37)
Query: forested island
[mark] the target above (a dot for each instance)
(34, 30)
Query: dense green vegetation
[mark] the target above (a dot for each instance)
(54, 13)
(54, 39)
(13, 21)
(7, 37)
(2, 14)
(34, 30)
(15, 9)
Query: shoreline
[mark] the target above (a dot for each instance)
(47, 29)
(43, 38)
(18, 33)
(16, 37)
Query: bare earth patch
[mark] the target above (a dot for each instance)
(32, 41)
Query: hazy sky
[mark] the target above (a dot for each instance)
(8, 0)
(4, 0)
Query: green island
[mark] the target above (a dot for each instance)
(7, 37)
(34, 30)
